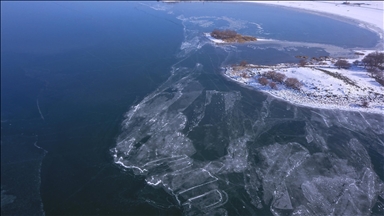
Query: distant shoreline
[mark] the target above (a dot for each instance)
(369, 15)
(362, 95)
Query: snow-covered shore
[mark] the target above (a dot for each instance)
(368, 14)
(321, 86)
(217, 41)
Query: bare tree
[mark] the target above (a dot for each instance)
(380, 77)
(368, 62)
(373, 71)
(341, 63)
(302, 62)
(374, 59)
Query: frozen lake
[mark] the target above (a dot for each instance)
(121, 108)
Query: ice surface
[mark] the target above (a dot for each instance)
(234, 152)
(292, 179)
(153, 144)
(196, 28)
(196, 144)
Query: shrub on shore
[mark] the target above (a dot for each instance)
(380, 77)
(293, 83)
(225, 34)
(245, 75)
(279, 77)
(275, 76)
(263, 81)
(273, 85)
(243, 63)
(374, 62)
(270, 74)
(302, 62)
(365, 104)
(341, 63)
(375, 59)
(373, 71)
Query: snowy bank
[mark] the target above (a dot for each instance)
(323, 84)
(368, 14)
(217, 41)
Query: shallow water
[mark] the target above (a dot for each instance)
(101, 114)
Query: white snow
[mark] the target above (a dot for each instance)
(319, 89)
(262, 39)
(208, 35)
(369, 14)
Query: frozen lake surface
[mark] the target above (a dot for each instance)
(121, 108)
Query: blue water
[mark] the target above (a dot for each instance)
(72, 73)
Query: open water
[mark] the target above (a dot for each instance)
(121, 108)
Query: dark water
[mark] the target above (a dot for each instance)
(85, 83)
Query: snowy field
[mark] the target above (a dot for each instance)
(319, 89)
(320, 86)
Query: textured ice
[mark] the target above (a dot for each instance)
(226, 152)
(292, 179)
(197, 144)
(154, 143)
(196, 28)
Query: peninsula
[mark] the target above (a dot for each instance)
(323, 82)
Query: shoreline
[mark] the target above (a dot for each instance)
(323, 85)
(363, 95)
(368, 16)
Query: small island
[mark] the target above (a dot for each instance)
(230, 36)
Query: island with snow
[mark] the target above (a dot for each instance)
(321, 82)
(228, 36)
